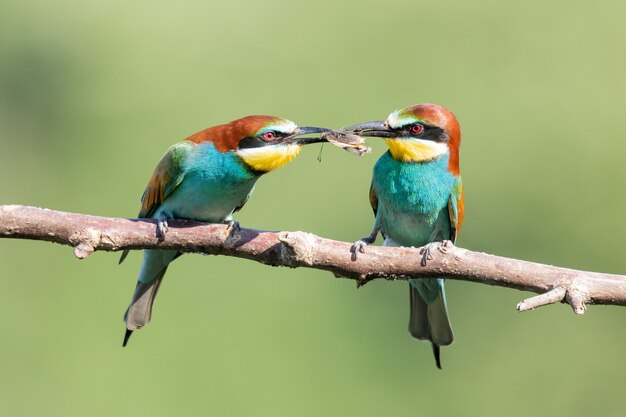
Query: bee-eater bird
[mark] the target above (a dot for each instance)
(417, 197)
(207, 177)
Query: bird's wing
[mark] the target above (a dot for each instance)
(243, 202)
(167, 175)
(166, 178)
(456, 209)
(373, 199)
(374, 204)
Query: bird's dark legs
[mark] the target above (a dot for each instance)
(359, 245)
(161, 226)
(425, 252)
(232, 225)
(443, 247)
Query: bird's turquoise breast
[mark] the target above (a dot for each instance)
(214, 184)
(413, 199)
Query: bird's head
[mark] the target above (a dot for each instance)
(264, 143)
(417, 133)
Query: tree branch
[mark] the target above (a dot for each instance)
(300, 249)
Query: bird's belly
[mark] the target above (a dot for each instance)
(207, 201)
(408, 228)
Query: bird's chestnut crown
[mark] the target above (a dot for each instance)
(274, 132)
(417, 133)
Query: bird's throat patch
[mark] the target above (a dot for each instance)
(268, 158)
(415, 150)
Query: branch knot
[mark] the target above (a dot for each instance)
(299, 247)
(85, 241)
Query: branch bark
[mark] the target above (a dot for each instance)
(300, 249)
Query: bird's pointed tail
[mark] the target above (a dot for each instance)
(139, 311)
(429, 321)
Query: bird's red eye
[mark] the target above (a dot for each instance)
(269, 136)
(417, 128)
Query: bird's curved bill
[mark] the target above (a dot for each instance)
(377, 129)
(309, 130)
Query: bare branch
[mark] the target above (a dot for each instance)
(553, 296)
(300, 249)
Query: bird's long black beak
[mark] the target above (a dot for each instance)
(295, 138)
(378, 129)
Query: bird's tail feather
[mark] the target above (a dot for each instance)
(419, 327)
(124, 255)
(430, 321)
(139, 311)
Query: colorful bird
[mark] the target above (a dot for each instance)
(417, 197)
(207, 177)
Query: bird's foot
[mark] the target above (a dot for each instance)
(446, 246)
(359, 247)
(425, 252)
(443, 247)
(232, 226)
(162, 226)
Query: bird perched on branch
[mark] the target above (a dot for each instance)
(417, 197)
(207, 177)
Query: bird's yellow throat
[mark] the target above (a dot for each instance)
(415, 150)
(268, 158)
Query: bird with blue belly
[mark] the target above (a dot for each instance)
(207, 177)
(417, 197)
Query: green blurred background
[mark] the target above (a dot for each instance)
(93, 93)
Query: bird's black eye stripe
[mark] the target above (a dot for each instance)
(251, 142)
(428, 132)
(262, 139)
(271, 136)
